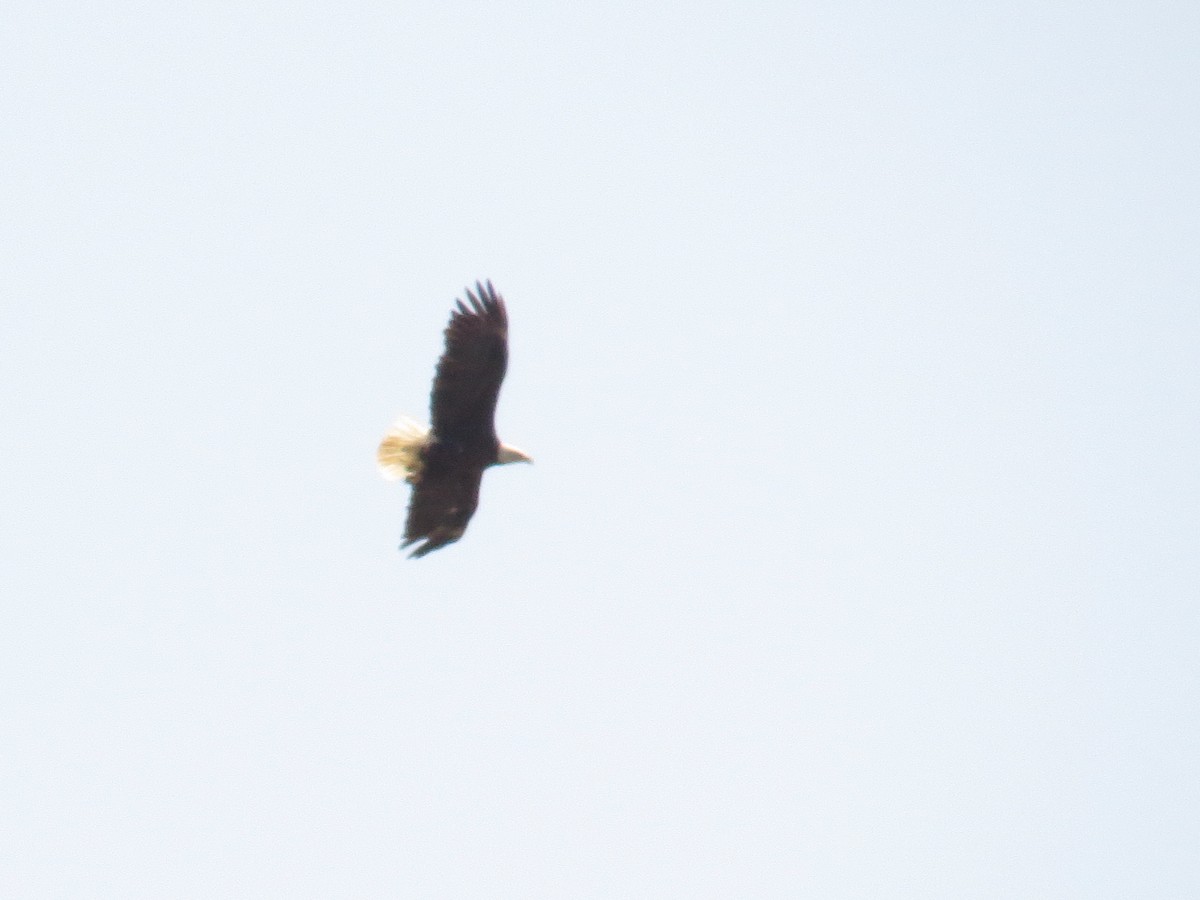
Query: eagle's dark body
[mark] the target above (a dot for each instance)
(446, 493)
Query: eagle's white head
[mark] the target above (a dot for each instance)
(509, 454)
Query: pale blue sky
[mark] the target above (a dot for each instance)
(857, 345)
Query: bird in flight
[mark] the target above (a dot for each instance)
(444, 463)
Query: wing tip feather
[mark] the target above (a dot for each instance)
(482, 302)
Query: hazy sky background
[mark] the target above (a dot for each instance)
(857, 346)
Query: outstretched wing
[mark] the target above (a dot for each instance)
(442, 504)
(469, 374)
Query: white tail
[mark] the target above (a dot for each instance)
(399, 454)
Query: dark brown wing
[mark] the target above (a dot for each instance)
(469, 374)
(442, 504)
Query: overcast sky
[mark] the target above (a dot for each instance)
(857, 347)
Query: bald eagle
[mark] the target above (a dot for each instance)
(444, 463)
